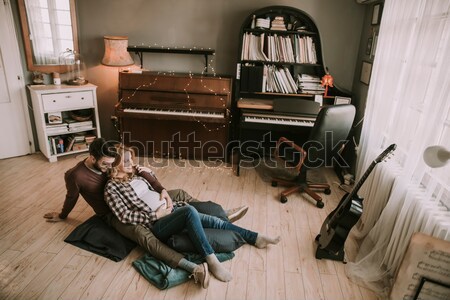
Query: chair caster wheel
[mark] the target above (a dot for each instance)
(283, 199)
(319, 204)
(317, 237)
(274, 183)
(327, 191)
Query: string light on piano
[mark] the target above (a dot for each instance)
(211, 91)
(203, 73)
(189, 166)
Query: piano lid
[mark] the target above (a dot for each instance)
(295, 105)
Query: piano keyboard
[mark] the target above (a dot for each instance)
(279, 120)
(175, 112)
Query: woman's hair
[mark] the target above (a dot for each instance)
(120, 154)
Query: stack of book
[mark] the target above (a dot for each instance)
(76, 142)
(278, 24)
(278, 80)
(79, 126)
(263, 23)
(309, 84)
(52, 129)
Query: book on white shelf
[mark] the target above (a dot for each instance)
(80, 128)
(53, 143)
(81, 124)
(79, 146)
(79, 138)
(69, 143)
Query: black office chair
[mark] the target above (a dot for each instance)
(323, 147)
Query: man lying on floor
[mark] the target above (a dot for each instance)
(88, 178)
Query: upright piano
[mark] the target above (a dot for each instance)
(175, 115)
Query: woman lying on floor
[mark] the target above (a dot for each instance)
(133, 200)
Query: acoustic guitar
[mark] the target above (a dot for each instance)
(340, 221)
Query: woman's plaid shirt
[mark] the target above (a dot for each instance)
(125, 204)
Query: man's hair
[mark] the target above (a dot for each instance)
(101, 148)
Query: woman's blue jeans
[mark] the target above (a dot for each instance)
(187, 217)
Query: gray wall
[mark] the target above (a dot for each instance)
(359, 90)
(203, 23)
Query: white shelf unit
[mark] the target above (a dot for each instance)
(62, 99)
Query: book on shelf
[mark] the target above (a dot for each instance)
(56, 128)
(278, 80)
(69, 143)
(56, 144)
(251, 78)
(310, 84)
(81, 124)
(80, 128)
(78, 141)
(278, 23)
(277, 48)
(79, 146)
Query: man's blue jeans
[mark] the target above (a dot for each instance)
(187, 217)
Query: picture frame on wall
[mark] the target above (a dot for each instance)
(366, 70)
(376, 14)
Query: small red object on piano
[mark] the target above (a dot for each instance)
(327, 80)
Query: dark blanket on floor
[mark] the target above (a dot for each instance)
(162, 276)
(96, 236)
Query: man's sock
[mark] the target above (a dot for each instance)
(187, 265)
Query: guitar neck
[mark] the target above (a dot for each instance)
(361, 181)
(355, 190)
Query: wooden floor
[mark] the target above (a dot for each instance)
(35, 263)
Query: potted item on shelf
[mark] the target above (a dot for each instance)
(81, 115)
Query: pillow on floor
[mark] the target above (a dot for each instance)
(96, 236)
(210, 208)
(220, 240)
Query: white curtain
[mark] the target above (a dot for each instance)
(408, 104)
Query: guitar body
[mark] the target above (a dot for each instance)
(337, 225)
